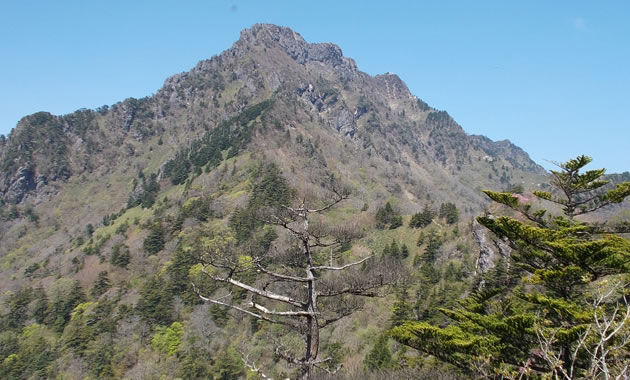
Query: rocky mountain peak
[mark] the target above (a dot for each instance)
(378, 115)
(393, 85)
(294, 45)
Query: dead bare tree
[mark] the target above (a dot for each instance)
(305, 289)
(604, 342)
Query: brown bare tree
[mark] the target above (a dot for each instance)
(304, 289)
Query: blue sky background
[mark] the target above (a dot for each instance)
(551, 76)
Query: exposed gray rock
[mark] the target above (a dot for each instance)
(295, 46)
(125, 113)
(41, 181)
(490, 249)
(22, 184)
(343, 122)
(393, 86)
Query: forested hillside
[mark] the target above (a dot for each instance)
(276, 212)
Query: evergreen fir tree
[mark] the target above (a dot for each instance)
(449, 212)
(422, 219)
(497, 333)
(433, 246)
(387, 216)
(404, 251)
(402, 310)
(101, 285)
(380, 357)
(154, 242)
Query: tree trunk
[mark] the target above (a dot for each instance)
(312, 335)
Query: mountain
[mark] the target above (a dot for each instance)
(83, 193)
(375, 116)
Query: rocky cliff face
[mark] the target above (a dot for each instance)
(490, 248)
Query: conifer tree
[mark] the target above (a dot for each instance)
(449, 212)
(548, 325)
(423, 218)
(402, 310)
(380, 357)
(154, 242)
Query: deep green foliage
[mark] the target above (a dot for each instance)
(335, 351)
(40, 306)
(101, 285)
(387, 217)
(404, 251)
(179, 282)
(81, 121)
(560, 260)
(402, 311)
(120, 255)
(60, 307)
(392, 250)
(270, 192)
(17, 305)
(99, 353)
(220, 314)
(148, 191)
(89, 320)
(40, 134)
(380, 357)
(449, 212)
(195, 365)
(178, 168)
(243, 222)
(155, 303)
(434, 242)
(423, 218)
(228, 365)
(154, 242)
(397, 221)
(199, 208)
(231, 136)
(395, 251)
(579, 191)
(33, 351)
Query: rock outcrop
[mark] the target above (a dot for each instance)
(490, 248)
(23, 183)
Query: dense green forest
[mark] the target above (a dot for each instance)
(228, 304)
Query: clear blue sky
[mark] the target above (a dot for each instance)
(551, 76)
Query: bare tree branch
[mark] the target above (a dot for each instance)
(281, 313)
(281, 276)
(252, 366)
(286, 356)
(260, 292)
(251, 314)
(326, 267)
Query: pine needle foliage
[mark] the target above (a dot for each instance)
(496, 331)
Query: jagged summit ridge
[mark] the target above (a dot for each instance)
(294, 45)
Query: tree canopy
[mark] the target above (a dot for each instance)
(569, 315)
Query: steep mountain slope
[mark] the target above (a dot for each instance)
(83, 193)
(376, 115)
